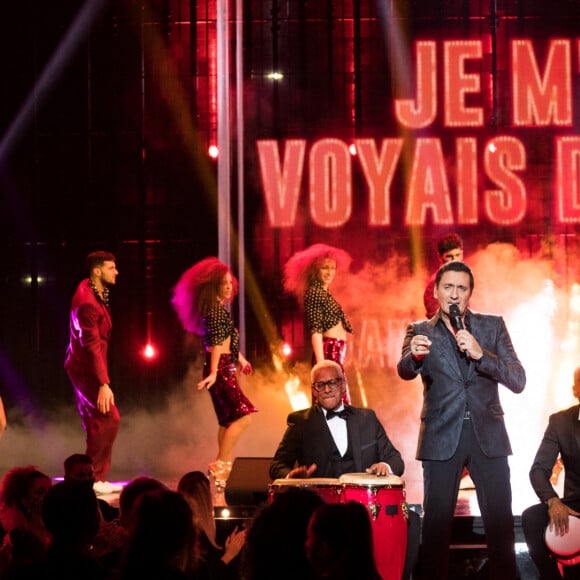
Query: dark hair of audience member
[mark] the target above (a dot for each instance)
(276, 537)
(21, 493)
(132, 492)
(339, 543)
(195, 488)
(162, 538)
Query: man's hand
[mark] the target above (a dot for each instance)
(559, 512)
(379, 469)
(105, 399)
(467, 343)
(302, 472)
(419, 345)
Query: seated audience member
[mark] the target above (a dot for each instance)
(219, 562)
(79, 467)
(71, 514)
(339, 543)
(161, 539)
(319, 442)
(275, 540)
(21, 493)
(128, 498)
(560, 439)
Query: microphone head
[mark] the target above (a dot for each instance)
(455, 317)
(454, 310)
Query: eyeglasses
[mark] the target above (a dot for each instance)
(332, 384)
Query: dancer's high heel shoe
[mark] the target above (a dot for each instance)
(220, 471)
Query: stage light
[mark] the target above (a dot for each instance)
(492, 147)
(352, 149)
(28, 280)
(224, 513)
(213, 151)
(149, 352)
(275, 76)
(286, 350)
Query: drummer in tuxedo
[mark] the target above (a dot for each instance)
(330, 439)
(561, 439)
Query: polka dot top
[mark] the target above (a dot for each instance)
(322, 311)
(218, 326)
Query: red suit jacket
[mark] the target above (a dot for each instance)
(90, 330)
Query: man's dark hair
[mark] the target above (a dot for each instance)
(96, 259)
(454, 266)
(76, 459)
(449, 242)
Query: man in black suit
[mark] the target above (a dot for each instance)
(315, 445)
(330, 439)
(461, 359)
(562, 438)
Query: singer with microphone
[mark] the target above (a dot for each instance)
(462, 356)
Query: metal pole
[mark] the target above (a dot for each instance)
(223, 133)
(240, 168)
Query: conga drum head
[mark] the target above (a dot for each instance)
(568, 545)
(370, 479)
(306, 481)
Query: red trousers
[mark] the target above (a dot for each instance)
(101, 429)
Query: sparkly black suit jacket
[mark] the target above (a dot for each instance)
(447, 391)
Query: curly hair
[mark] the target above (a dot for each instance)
(302, 268)
(197, 290)
(17, 483)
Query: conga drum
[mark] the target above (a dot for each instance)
(566, 548)
(384, 497)
(328, 488)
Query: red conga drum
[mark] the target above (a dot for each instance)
(384, 497)
(328, 488)
(566, 548)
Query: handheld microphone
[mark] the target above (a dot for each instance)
(457, 323)
(455, 317)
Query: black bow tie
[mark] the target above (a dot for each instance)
(343, 414)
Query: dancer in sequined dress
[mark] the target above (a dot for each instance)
(200, 298)
(308, 275)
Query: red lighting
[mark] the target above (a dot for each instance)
(352, 149)
(286, 350)
(149, 351)
(213, 151)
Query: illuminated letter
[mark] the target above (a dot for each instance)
(536, 100)
(421, 113)
(379, 173)
(466, 153)
(330, 183)
(281, 187)
(429, 188)
(568, 179)
(371, 348)
(458, 83)
(505, 206)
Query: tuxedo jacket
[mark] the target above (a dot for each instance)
(308, 440)
(562, 437)
(448, 390)
(90, 330)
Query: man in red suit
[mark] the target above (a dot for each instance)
(86, 363)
